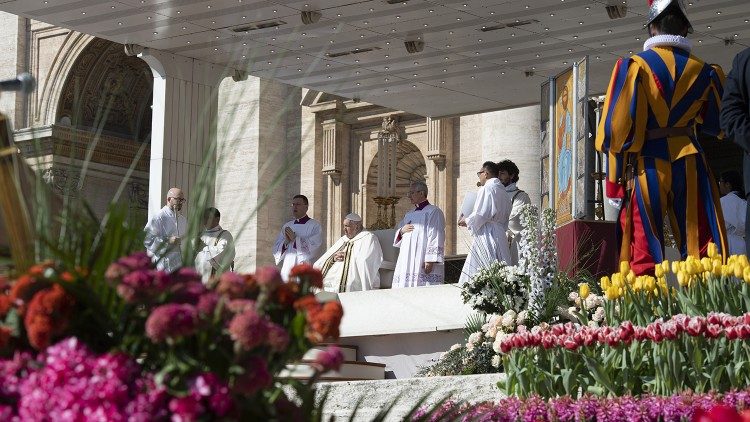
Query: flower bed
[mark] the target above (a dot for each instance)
(679, 407)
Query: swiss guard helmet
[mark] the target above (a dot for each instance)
(657, 7)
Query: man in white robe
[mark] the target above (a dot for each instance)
(734, 208)
(508, 175)
(487, 223)
(217, 254)
(164, 233)
(299, 239)
(352, 263)
(421, 239)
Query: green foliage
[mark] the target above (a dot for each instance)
(474, 323)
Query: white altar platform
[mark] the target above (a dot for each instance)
(403, 328)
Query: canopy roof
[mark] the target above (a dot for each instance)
(478, 55)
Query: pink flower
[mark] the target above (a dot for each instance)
(188, 292)
(186, 409)
(215, 391)
(232, 285)
(136, 261)
(329, 359)
(713, 330)
(186, 275)
(696, 326)
(207, 304)
(278, 338)
(626, 332)
(171, 321)
(255, 378)
(248, 329)
(240, 305)
(268, 277)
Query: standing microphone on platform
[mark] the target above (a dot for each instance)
(24, 83)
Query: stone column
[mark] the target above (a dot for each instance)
(336, 166)
(183, 135)
(440, 175)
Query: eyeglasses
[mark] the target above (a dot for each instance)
(480, 172)
(177, 199)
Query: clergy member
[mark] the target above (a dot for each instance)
(487, 223)
(164, 233)
(217, 247)
(508, 175)
(299, 240)
(352, 263)
(421, 238)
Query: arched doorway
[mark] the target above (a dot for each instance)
(411, 167)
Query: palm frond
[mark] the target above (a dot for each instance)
(474, 323)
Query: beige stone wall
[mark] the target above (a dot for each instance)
(258, 168)
(12, 62)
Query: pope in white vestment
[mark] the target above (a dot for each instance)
(299, 239)
(352, 263)
(488, 224)
(165, 231)
(421, 239)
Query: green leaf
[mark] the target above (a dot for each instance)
(599, 374)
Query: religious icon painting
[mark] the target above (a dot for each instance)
(563, 146)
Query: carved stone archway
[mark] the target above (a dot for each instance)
(411, 167)
(106, 84)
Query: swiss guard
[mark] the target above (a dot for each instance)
(657, 101)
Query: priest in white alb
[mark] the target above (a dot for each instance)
(421, 239)
(487, 223)
(216, 254)
(352, 263)
(299, 239)
(165, 231)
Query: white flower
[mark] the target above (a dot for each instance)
(456, 346)
(492, 332)
(521, 318)
(496, 361)
(599, 314)
(572, 310)
(509, 318)
(591, 302)
(593, 324)
(573, 296)
(474, 338)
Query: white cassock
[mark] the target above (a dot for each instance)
(163, 225)
(304, 248)
(734, 209)
(217, 254)
(424, 244)
(488, 224)
(359, 269)
(519, 198)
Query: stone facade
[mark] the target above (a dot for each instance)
(273, 140)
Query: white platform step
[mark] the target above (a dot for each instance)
(350, 352)
(349, 371)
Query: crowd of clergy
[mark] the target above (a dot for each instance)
(353, 261)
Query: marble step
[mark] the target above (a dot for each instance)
(350, 352)
(349, 371)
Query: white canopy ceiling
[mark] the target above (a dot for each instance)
(357, 47)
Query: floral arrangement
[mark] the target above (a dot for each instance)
(496, 288)
(481, 352)
(586, 307)
(200, 353)
(709, 407)
(538, 253)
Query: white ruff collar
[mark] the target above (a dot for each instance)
(668, 41)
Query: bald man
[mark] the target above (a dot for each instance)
(165, 232)
(352, 263)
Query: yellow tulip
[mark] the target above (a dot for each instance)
(712, 250)
(665, 267)
(604, 282)
(682, 278)
(738, 270)
(583, 290)
(676, 267)
(658, 271)
(706, 263)
(624, 267)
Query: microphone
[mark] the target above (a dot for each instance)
(23, 82)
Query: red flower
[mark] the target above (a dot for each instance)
(255, 378)
(5, 335)
(696, 326)
(47, 316)
(713, 330)
(306, 272)
(323, 322)
(232, 285)
(171, 321)
(718, 413)
(248, 329)
(286, 294)
(654, 332)
(268, 277)
(626, 332)
(5, 305)
(570, 343)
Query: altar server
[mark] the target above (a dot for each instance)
(299, 239)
